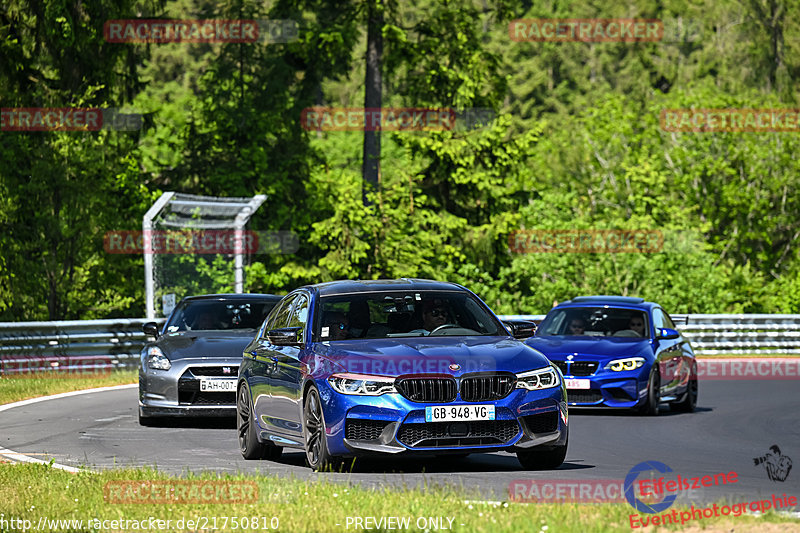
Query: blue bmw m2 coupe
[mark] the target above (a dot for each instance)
(619, 352)
(389, 367)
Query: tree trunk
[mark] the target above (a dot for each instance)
(372, 97)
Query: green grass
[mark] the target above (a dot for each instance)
(35, 491)
(13, 389)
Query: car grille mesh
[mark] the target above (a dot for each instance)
(584, 396)
(542, 422)
(356, 429)
(487, 387)
(583, 368)
(188, 397)
(446, 434)
(577, 368)
(427, 389)
(233, 370)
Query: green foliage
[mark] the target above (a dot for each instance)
(576, 144)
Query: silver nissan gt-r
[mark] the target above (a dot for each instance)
(191, 367)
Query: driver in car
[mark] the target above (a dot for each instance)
(205, 320)
(434, 315)
(637, 324)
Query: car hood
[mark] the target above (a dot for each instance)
(424, 355)
(205, 344)
(597, 347)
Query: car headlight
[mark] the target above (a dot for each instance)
(362, 384)
(629, 363)
(157, 360)
(544, 378)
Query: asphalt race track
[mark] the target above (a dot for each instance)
(735, 422)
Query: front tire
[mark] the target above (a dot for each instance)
(650, 406)
(316, 446)
(549, 459)
(689, 402)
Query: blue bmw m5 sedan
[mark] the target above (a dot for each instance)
(619, 352)
(389, 367)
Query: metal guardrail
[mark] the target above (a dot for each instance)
(730, 334)
(88, 345)
(73, 346)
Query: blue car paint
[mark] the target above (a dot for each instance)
(280, 416)
(674, 356)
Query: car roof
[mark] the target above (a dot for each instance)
(234, 296)
(612, 301)
(383, 285)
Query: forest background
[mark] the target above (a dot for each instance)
(575, 143)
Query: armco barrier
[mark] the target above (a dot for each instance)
(73, 345)
(118, 342)
(731, 334)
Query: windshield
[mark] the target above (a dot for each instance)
(202, 315)
(595, 322)
(403, 314)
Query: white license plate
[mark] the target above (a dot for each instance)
(448, 413)
(578, 383)
(217, 385)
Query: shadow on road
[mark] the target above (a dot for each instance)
(665, 411)
(443, 464)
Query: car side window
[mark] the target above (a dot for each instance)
(668, 321)
(299, 316)
(279, 315)
(658, 319)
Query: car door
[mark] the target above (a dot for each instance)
(686, 355)
(287, 379)
(263, 356)
(668, 353)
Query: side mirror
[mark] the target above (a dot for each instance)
(667, 333)
(520, 329)
(150, 329)
(284, 336)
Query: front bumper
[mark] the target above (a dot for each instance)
(617, 390)
(392, 424)
(176, 392)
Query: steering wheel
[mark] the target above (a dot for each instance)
(442, 327)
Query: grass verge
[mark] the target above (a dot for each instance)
(41, 493)
(14, 389)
